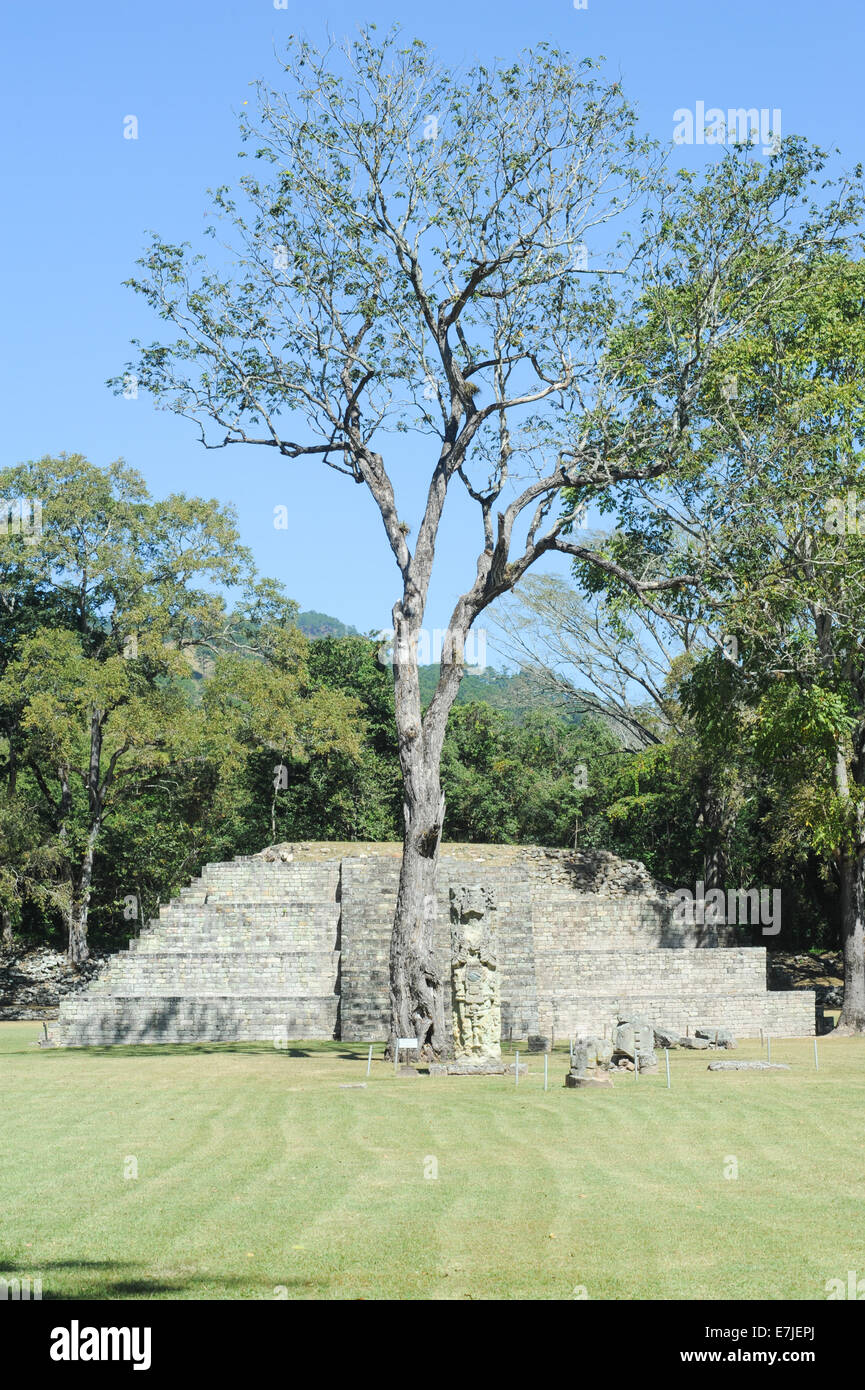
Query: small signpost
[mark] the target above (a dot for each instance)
(401, 1044)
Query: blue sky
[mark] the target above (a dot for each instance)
(80, 200)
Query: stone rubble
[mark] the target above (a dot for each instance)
(33, 981)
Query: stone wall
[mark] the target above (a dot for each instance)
(257, 950)
(249, 951)
(579, 936)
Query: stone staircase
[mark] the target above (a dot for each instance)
(249, 951)
(264, 950)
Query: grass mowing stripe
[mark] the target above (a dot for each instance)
(257, 1173)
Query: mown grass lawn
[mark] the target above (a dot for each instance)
(258, 1177)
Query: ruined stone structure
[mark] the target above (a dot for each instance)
(263, 949)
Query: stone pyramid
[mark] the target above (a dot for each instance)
(293, 943)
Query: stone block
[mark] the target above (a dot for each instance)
(574, 1080)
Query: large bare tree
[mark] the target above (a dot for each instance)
(436, 264)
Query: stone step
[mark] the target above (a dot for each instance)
(248, 894)
(237, 915)
(90, 1022)
(291, 972)
(194, 943)
(780, 1013)
(202, 917)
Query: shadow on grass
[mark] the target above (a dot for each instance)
(106, 1279)
(157, 1050)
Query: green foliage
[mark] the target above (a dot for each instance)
(514, 694)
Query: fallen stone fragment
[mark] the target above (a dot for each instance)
(719, 1037)
(575, 1080)
(469, 1067)
(748, 1066)
(352, 1085)
(635, 1040)
(276, 854)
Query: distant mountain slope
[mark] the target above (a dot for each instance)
(515, 694)
(323, 625)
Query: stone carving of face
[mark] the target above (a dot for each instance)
(473, 905)
(473, 934)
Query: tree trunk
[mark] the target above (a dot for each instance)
(416, 987)
(416, 994)
(852, 870)
(852, 1018)
(5, 929)
(714, 828)
(79, 950)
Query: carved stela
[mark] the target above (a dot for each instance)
(477, 1014)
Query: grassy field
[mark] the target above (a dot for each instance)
(258, 1177)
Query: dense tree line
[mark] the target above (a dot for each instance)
(146, 728)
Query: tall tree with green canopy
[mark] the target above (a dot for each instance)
(442, 255)
(767, 527)
(271, 703)
(94, 732)
(91, 697)
(783, 532)
(608, 654)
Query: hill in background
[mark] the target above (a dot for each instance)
(314, 624)
(514, 693)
